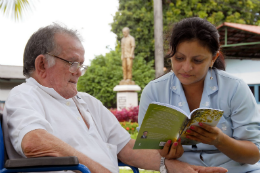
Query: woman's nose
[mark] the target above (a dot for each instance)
(187, 66)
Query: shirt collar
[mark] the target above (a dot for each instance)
(79, 99)
(48, 90)
(211, 85)
(176, 86)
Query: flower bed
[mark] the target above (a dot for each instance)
(130, 114)
(128, 119)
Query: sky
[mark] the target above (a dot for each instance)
(90, 18)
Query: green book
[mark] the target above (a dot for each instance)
(163, 122)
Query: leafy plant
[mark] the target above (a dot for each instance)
(15, 8)
(105, 72)
(123, 115)
(138, 16)
(130, 127)
(128, 119)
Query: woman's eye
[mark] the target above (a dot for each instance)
(179, 58)
(198, 61)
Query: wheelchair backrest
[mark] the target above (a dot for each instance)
(2, 147)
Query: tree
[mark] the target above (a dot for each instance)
(105, 72)
(14, 8)
(158, 38)
(138, 16)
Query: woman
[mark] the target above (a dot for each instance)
(197, 80)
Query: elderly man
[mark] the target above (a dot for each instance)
(46, 116)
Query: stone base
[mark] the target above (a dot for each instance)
(126, 82)
(127, 96)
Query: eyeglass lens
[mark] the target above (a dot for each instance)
(75, 66)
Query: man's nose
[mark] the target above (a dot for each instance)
(78, 72)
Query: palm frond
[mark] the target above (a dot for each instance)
(15, 8)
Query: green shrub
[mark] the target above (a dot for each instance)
(105, 72)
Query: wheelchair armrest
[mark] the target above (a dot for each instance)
(41, 162)
(134, 169)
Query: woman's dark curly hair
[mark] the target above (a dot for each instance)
(195, 28)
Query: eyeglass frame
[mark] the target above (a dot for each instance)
(71, 63)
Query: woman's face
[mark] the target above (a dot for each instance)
(191, 62)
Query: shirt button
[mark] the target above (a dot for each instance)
(174, 87)
(214, 88)
(180, 104)
(67, 103)
(224, 127)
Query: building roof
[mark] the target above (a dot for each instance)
(11, 72)
(249, 28)
(243, 41)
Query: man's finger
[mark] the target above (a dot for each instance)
(164, 152)
(202, 169)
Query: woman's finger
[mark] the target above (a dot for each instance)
(164, 152)
(172, 153)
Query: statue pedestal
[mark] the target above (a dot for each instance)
(126, 96)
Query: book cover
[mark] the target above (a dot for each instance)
(163, 122)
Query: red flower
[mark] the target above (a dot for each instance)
(127, 128)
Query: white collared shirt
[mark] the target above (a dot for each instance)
(32, 106)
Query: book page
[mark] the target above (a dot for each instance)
(204, 115)
(159, 125)
(171, 106)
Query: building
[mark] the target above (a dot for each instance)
(10, 76)
(241, 47)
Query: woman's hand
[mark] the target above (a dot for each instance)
(205, 134)
(239, 150)
(173, 151)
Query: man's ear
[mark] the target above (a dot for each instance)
(41, 66)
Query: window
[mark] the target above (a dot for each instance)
(252, 88)
(256, 91)
(258, 94)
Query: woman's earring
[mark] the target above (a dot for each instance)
(211, 73)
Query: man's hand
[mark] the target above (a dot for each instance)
(173, 151)
(175, 166)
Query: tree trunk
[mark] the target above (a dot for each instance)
(158, 37)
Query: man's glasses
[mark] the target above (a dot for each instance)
(74, 66)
